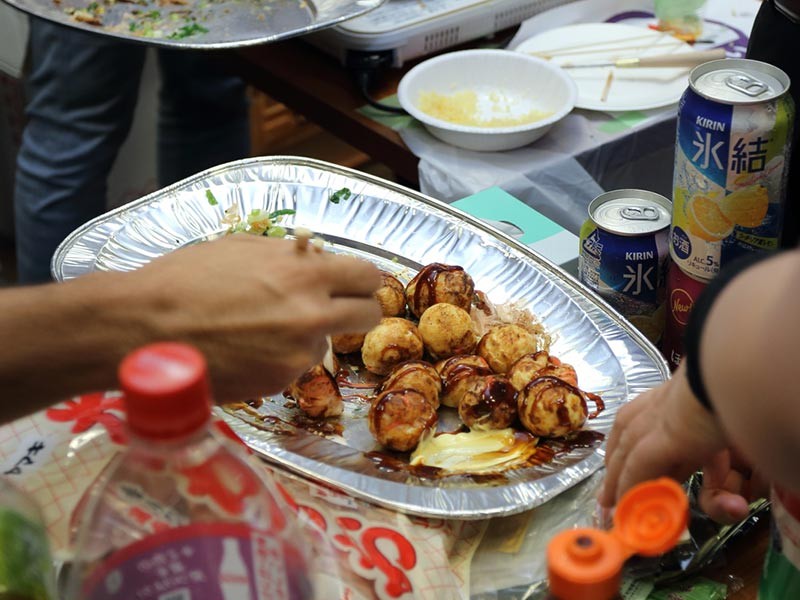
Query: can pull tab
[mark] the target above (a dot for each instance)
(640, 213)
(747, 85)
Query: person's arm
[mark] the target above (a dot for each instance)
(750, 361)
(258, 308)
(748, 356)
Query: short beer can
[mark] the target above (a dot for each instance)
(682, 292)
(735, 125)
(624, 255)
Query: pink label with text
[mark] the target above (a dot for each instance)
(217, 561)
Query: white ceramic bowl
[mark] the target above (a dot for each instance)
(520, 80)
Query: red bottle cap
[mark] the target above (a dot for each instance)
(586, 564)
(166, 390)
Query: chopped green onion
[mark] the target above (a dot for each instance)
(187, 30)
(275, 214)
(209, 194)
(342, 194)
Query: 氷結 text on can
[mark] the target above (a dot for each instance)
(623, 255)
(682, 292)
(735, 125)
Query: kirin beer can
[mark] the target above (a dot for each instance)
(682, 292)
(623, 255)
(735, 126)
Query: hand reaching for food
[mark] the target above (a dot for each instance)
(259, 309)
(664, 431)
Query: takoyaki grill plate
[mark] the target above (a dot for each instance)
(400, 230)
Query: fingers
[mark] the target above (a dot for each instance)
(349, 276)
(342, 275)
(721, 495)
(655, 456)
(614, 455)
(723, 507)
(726, 488)
(349, 315)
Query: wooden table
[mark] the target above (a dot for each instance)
(317, 86)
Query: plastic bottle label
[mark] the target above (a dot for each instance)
(218, 561)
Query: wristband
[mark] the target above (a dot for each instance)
(694, 329)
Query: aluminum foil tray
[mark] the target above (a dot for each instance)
(400, 230)
(198, 24)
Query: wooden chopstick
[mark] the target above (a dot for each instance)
(607, 86)
(595, 44)
(595, 49)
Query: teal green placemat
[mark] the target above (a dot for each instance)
(498, 205)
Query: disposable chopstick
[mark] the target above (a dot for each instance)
(595, 49)
(595, 44)
(607, 86)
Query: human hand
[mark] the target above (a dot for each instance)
(258, 308)
(663, 432)
(729, 485)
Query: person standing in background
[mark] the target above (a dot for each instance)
(775, 39)
(81, 94)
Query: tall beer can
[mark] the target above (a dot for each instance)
(735, 125)
(624, 256)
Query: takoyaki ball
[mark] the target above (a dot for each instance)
(540, 364)
(416, 375)
(317, 393)
(391, 296)
(489, 402)
(455, 371)
(564, 371)
(398, 418)
(392, 300)
(526, 368)
(550, 407)
(437, 283)
(503, 345)
(347, 343)
(391, 342)
(447, 330)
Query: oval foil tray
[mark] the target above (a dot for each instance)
(400, 230)
(197, 24)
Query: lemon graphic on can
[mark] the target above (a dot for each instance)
(746, 207)
(706, 220)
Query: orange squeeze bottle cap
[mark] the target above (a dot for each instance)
(586, 564)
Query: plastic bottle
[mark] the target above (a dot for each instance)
(683, 17)
(181, 514)
(26, 569)
(587, 563)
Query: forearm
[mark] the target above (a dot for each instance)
(749, 362)
(59, 340)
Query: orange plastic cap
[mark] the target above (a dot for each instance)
(166, 390)
(586, 564)
(651, 517)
